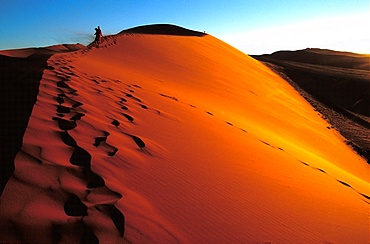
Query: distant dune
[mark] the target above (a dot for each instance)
(26, 52)
(324, 57)
(167, 135)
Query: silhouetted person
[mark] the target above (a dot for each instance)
(98, 36)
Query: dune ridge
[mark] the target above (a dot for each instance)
(179, 139)
(163, 29)
(325, 57)
(52, 164)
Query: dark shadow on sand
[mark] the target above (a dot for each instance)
(19, 83)
(20, 79)
(163, 29)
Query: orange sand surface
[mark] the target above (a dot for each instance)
(195, 141)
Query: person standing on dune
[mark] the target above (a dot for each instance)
(98, 36)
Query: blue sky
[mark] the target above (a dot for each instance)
(253, 26)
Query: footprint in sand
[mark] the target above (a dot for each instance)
(77, 104)
(138, 141)
(344, 183)
(170, 97)
(67, 139)
(113, 152)
(117, 217)
(65, 124)
(62, 76)
(74, 206)
(115, 123)
(62, 109)
(77, 116)
(62, 84)
(101, 142)
(367, 197)
(69, 91)
(321, 170)
(268, 144)
(80, 157)
(304, 163)
(132, 97)
(60, 98)
(94, 180)
(128, 117)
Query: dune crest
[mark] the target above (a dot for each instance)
(179, 139)
(163, 29)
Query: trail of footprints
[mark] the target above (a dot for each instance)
(68, 112)
(366, 197)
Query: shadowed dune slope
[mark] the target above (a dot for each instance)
(20, 74)
(19, 79)
(179, 139)
(325, 57)
(162, 29)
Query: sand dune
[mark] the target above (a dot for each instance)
(168, 138)
(27, 52)
(325, 57)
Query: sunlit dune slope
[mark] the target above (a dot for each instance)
(195, 141)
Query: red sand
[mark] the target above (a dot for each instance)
(198, 143)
